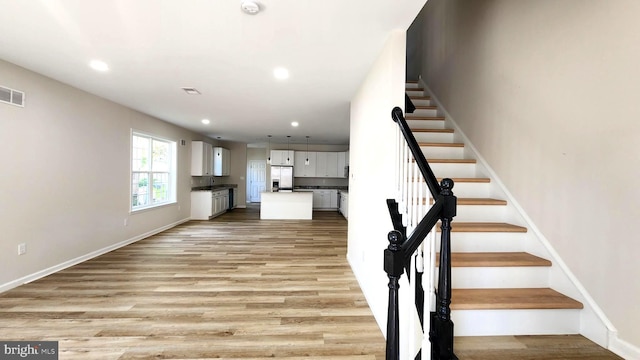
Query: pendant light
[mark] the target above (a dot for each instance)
(288, 142)
(269, 150)
(306, 162)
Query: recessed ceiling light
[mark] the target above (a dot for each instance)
(98, 65)
(295, 124)
(206, 121)
(250, 7)
(191, 91)
(281, 73)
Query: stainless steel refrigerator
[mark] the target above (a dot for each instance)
(281, 178)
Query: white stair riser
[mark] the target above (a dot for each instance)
(471, 190)
(453, 170)
(417, 102)
(465, 189)
(412, 92)
(425, 112)
(426, 124)
(499, 277)
(479, 213)
(443, 152)
(515, 322)
(434, 137)
(484, 242)
(411, 85)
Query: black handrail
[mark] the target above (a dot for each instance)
(421, 161)
(397, 256)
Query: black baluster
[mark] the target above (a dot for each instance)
(394, 267)
(441, 333)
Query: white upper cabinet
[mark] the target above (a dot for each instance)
(342, 164)
(201, 159)
(221, 161)
(327, 165)
(282, 157)
(321, 164)
(302, 169)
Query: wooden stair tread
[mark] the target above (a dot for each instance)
(473, 201)
(481, 201)
(429, 118)
(420, 97)
(432, 144)
(452, 161)
(458, 226)
(526, 298)
(426, 107)
(447, 131)
(494, 259)
(461, 180)
(468, 180)
(414, 89)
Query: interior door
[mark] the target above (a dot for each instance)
(257, 179)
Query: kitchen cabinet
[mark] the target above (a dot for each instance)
(208, 204)
(342, 164)
(221, 161)
(344, 204)
(302, 169)
(331, 164)
(327, 164)
(280, 157)
(325, 199)
(220, 201)
(201, 159)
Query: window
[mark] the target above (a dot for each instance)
(153, 171)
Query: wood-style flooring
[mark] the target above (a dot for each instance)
(235, 287)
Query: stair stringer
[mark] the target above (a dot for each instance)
(594, 324)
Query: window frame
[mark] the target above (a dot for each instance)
(172, 186)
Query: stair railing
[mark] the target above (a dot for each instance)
(405, 253)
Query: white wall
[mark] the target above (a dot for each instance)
(372, 164)
(65, 175)
(548, 92)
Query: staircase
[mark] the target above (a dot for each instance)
(498, 287)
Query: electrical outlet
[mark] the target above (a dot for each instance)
(179, 207)
(22, 249)
(126, 221)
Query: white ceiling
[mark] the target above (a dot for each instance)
(156, 47)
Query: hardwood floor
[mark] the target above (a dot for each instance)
(556, 347)
(235, 287)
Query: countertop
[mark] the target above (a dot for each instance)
(215, 187)
(343, 188)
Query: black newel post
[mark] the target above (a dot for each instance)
(394, 267)
(441, 332)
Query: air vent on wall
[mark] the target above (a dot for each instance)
(10, 96)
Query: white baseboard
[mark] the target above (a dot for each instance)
(53, 269)
(623, 348)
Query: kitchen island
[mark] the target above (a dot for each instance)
(286, 205)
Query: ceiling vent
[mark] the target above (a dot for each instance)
(10, 96)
